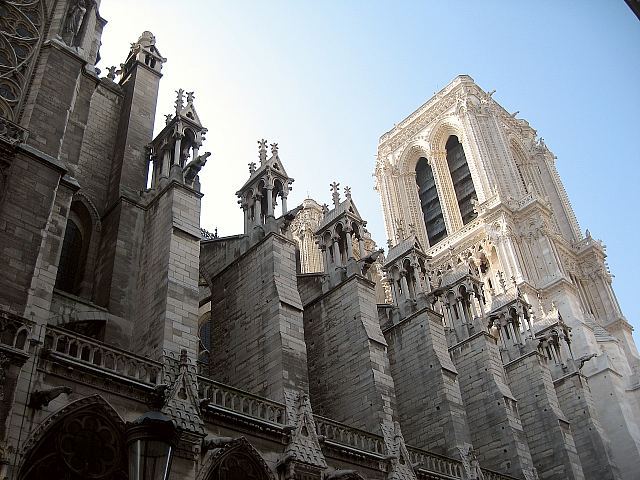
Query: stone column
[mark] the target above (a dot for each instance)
(336, 252)
(269, 202)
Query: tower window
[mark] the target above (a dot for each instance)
(69, 274)
(461, 178)
(430, 202)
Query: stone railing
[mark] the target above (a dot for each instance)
(454, 238)
(349, 436)
(239, 401)
(435, 463)
(491, 475)
(92, 353)
(15, 331)
(12, 133)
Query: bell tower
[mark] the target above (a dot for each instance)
(480, 185)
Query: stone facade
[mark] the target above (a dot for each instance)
(294, 349)
(515, 266)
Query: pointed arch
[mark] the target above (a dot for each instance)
(85, 439)
(235, 460)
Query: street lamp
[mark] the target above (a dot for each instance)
(151, 439)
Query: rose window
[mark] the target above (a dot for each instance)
(21, 23)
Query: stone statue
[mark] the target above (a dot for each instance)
(75, 16)
(192, 168)
(495, 329)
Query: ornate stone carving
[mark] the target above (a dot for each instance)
(21, 25)
(73, 22)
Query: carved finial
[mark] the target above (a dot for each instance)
(167, 118)
(183, 357)
(502, 282)
(491, 93)
(274, 149)
(325, 208)
(335, 193)
(515, 113)
(347, 192)
(515, 285)
(587, 233)
(252, 167)
(541, 304)
(412, 229)
(113, 71)
(215, 233)
(262, 150)
(190, 97)
(475, 205)
(179, 101)
(400, 229)
(389, 243)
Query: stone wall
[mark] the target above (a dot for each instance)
(592, 444)
(430, 406)
(348, 363)
(492, 413)
(257, 333)
(547, 430)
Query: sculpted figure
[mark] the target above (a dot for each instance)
(192, 168)
(75, 16)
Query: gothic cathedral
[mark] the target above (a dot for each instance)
(486, 343)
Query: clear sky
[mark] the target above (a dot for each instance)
(325, 79)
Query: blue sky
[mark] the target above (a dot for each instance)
(326, 79)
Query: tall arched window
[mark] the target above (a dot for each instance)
(430, 202)
(68, 268)
(75, 246)
(461, 178)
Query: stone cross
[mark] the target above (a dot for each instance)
(347, 192)
(274, 149)
(252, 167)
(335, 193)
(325, 208)
(113, 71)
(262, 150)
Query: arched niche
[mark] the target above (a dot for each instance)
(75, 249)
(236, 460)
(430, 202)
(84, 440)
(461, 178)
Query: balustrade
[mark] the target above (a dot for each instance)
(239, 401)
(98, 355)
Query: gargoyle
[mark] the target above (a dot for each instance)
(338, 474)
(192, 168)
(369, 260)
(584, 359)
(41, 398)
(215, 442)
(159, 395)
(285, 220)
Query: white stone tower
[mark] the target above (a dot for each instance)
(476, 183)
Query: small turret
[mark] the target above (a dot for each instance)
(258, 196)
(335, 237)
(406, 272)
(460, 299)
(144, 51)
(175, 151)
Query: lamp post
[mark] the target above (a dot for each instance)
(151, 440)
